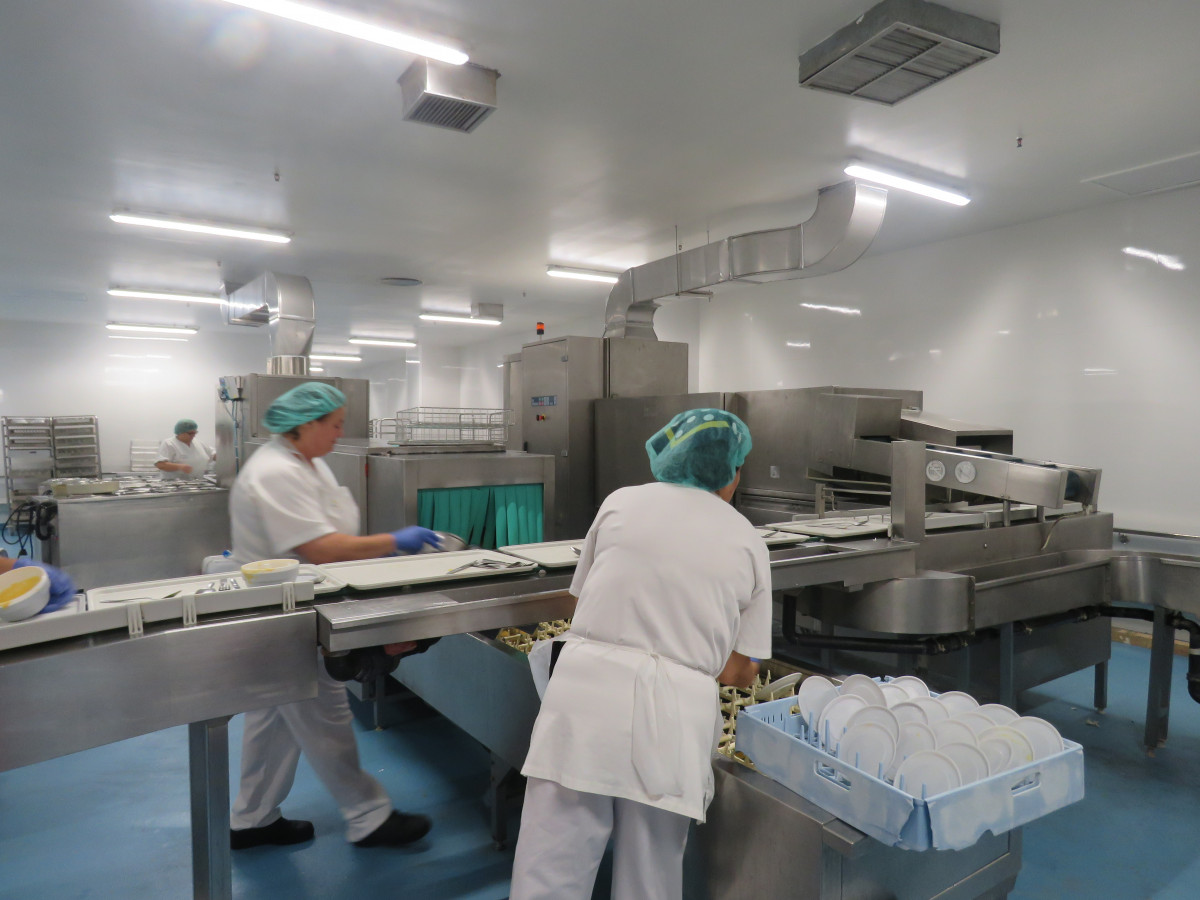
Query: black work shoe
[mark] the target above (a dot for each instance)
(280, 833)
(397, 830)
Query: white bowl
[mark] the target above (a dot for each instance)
(270, 571)
(24, 592)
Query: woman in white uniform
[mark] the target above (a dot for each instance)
(674, 589)
(286, 503)
(183, 456)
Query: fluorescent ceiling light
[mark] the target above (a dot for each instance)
(381, 342)
(856, 170)
(413, 362)
(1167, 262)
(153, 329)
(844, 310)
(330, 21)
(800, 344)
(465, 320)
(132, 337)
(165, 295)
(1100, 371)
(335, 357)
(581, 274)
(137, 356)
(194, 227)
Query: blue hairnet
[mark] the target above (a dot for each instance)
(701, 447)
(301, 404)
(186, 425)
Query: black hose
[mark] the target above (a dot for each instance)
(1176, 620)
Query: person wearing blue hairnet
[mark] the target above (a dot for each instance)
(182, 456)
(674, 589)
(286, 503)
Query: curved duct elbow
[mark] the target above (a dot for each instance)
(842, 227)
(285, 304)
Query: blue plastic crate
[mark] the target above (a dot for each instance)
(770, 735)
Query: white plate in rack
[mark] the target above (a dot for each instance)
(424, 568)
(836, 714)
(1042, 735)
(971, 761)
(864, 686)
(869, 747)
(813, 695)
(928, 773)
(549, 554)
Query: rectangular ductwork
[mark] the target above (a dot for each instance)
(454, 97)
(897, 48)
(285, 304)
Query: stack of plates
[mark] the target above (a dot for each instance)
(925, 744)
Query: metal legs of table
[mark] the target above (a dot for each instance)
(1158, 698)
(208, 765)
(1007, 686)
(505, 784)
(1100, 693)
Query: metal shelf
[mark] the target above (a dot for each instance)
(38, 448)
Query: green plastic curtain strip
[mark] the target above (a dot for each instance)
(487, 517)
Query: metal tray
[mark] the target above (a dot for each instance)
(119, 594)
(775, 535)
(550, 554)
(423, 568)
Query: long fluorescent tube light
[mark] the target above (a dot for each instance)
(1167, 262)
(465, 320)
(209, 228)
(153, 329)
(166, 295)
(134, 337)
(315, 369)
(413, 362)
(856, 170)
(581, 274)
(380, 342)
(803, 345)
(335, 357)
(844, 310)
(397, 40)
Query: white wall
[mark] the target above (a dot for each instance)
(1002, 329)
(139, 389)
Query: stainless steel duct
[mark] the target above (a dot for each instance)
(284, 303)
(842, 227)
(454, 97)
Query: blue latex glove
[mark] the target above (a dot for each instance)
(413, 538)
(62, 588)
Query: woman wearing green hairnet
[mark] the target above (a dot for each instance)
(183, 456)
(674, 589)
(286, 503)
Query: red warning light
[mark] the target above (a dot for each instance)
(541, 328)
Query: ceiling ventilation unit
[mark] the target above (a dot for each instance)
(454, 97)
(897, 48)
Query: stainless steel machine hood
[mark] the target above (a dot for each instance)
(285, 304)
(842, 227)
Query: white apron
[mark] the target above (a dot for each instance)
(626, 723)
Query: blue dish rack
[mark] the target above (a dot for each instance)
(772, 737)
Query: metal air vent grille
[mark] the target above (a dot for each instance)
(454, 97)
(897, 49)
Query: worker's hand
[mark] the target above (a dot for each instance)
(413, 538)
(62, 588)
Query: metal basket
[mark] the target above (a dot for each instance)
(452, 425)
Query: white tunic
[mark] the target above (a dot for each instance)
(279, 502)
(197, 454)
(670, 580)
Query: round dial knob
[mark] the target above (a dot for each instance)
(965, 472)
(935, 470)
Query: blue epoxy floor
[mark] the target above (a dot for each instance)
(113, 822)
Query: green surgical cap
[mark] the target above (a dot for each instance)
(186, 425)
(701, 447)
(301, 404)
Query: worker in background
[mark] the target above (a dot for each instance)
(674, 589)
(62, 588)
(183, 456)
(286, 503)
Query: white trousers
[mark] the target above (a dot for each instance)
(564, 834)
(321, 729)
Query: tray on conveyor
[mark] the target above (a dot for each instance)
(551, 554)
(166, 588)
(77, 619)
(769, 735)
(426, 568)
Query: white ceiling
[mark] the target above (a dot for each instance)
(618, 122)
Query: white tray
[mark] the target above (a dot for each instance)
(773, 534)
(841, 527)
(117, 594)
(422, 568)
(551, 554)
